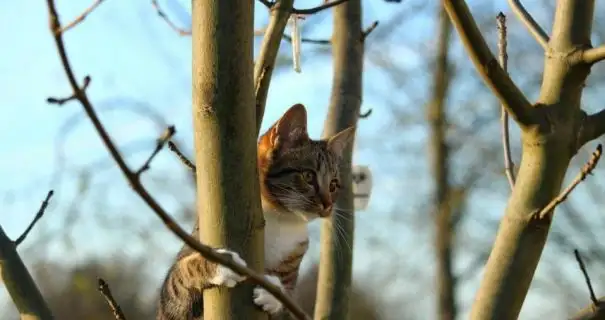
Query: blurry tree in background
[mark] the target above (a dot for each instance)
(402, 63)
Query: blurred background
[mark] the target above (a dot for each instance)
(140, 68)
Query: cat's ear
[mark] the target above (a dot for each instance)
(338, 142)
(291, 129)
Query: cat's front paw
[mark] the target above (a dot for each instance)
(225, 276)
(266, 300)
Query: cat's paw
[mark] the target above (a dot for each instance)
(266, 300)
(225, 276)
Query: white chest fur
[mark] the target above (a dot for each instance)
(282, 236)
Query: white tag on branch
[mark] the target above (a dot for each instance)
(296, 40)
(362, 186)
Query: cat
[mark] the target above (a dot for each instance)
(299, 182)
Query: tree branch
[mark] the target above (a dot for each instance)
(263, 69)
(594, 55)
(181, 156)
(115, 307)
(82, 16)
(164, 16)
(592, 128)
(167, 135)
(368, 30)
(503, 55)
(317, 9)
(18, 282)
(586, 170)
(532, 26)
(596, 309)
(37, 217)
(136, 185)
(493, 75)
(593, 297)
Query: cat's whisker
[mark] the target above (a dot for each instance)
(341, 236)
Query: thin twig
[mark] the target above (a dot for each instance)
(159, 145)
(181, 156)
(365, 114)
(317, 9)
(115, 307)
(62, 101)
(82, 16)
(162, 14)
(138, 187)
(39, 215)
(503, 57)
(308, 40)
(365, 33)
(593, 297)
(586, 170)
(529, 22)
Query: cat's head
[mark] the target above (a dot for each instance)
(300, 176)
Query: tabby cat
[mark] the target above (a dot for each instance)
(299, 182)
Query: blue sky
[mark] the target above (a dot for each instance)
(138, 64)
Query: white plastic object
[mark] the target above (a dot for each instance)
(362, 186)
(296, 41)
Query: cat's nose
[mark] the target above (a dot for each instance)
(326, 201)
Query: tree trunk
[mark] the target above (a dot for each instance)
(336, 258)
(442, 214)
(551, 132)
(224, 116)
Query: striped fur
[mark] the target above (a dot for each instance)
(299, 183)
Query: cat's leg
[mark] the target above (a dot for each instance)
(266, 300)
(181, 293)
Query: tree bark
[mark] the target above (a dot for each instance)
(446, 303)
(224, 116)
(333, 290)
(550, 132)
(19, 283)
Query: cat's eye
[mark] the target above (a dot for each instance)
(308, 176)
(334, 185)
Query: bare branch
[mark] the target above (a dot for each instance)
(39, 215)
(586, 170)
(115, 307)
(593, 297)
(138, 187)
(366, 114)
(19, 284)
(593, 127)
(308, 40)
(594, 55)
(596, 309)
(263, 68)
(62, 101)
(317, 9)
(162, 14)
(181, 156)
(503, 55)
(82, 16)
(369, 30)
(534, 28)
(15, 277)
(166, 135)
(493, 75)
